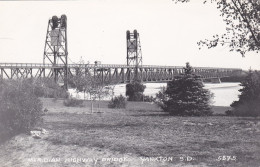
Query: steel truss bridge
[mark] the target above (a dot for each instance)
(55, 63)
(110, 73)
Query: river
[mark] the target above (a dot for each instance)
(224, 93)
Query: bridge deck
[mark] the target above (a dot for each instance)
(106, 73)
(50, 66)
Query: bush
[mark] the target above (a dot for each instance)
(185, 96)
(20, 108)
(73, 102)
(229, 113)
(134, 91)
(117, 102)
(148, 99)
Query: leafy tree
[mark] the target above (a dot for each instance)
(135, 90)
(88, 84)
(80, 80)
(242, 18)
(185, 96)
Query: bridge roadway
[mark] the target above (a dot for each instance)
(108, 73)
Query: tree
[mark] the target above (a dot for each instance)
(242, 18)
(250, 88)
(135, 90)
(249, 99)
(87, 83)
(185, 96)
(80, 80)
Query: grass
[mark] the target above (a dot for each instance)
(138, 131)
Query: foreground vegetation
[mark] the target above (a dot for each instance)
(20, 108)
(138, 131)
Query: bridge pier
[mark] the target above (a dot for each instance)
(2, 73)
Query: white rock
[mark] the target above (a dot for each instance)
(36, 136)
(44, 131)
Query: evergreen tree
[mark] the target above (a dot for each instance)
(186, 96)
(249, 99)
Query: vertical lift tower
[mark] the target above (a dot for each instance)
(134, 53)
(56, 49)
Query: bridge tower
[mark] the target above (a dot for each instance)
(56, 48)
(134, 52)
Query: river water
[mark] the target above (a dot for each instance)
(224, 93)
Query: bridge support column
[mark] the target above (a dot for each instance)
(109, 74)
(123, 75)
(43, 72)
(2, 73)
(215, 80)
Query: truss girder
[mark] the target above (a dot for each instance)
(111, 74)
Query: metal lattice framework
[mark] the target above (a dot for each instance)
(134, 53)
(56, 48)
(112, 73)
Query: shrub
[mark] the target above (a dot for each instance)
(20, 108)
(148, 99)
(229, 113)
(134, 91)
(117, 102)
(73, 102)
(185, 96)
(249, 99)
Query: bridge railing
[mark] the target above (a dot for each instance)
(36, 65)
(24, 65)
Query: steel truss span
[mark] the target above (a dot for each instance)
(109, 73)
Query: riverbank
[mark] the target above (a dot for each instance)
(139, 135)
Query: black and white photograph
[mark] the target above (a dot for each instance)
(129, 83)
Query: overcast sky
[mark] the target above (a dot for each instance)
(169, 32)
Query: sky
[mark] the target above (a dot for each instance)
(168, 32)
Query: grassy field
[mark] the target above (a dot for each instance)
(139, 135)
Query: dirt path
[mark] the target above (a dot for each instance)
(24, 150)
